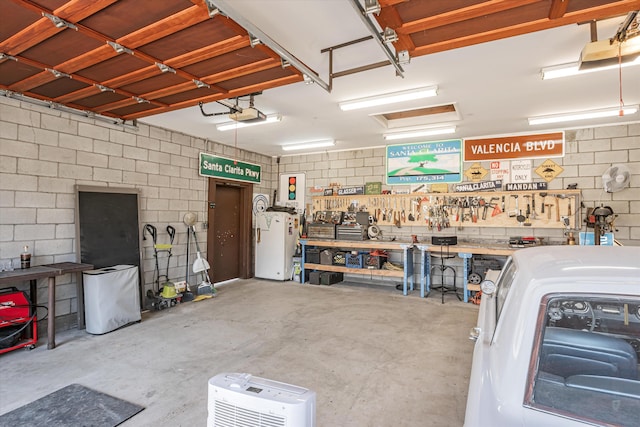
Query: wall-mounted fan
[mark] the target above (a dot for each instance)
(616, 178)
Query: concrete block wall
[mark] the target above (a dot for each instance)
(45, 152)
(589, 152)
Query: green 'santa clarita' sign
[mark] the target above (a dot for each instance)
(221, 167)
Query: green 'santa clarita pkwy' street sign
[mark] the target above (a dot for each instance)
(221, 167)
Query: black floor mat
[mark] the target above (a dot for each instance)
(73, 405)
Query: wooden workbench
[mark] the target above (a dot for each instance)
(406, 247)
(465, 250)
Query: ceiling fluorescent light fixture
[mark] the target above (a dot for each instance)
(389, 98)
(419, 132)
(271, 118)
(584, 115)
(310, 144)
(573, 69)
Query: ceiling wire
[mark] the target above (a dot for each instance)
(621, 112)
(235, 132)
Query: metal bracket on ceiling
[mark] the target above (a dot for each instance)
(372, 6)
(5, 56)
(119, 48)
(200, 84)
(384, 39)
(232, 109)
(59, 22)
(628, 28)
(164, 68)
(389, 35)
(104, 88)
(57, 73)
(403, 58)
(253, 40)
(213, 10)
(227, 10)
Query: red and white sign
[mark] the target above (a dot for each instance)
(500, 170)
(514, 147)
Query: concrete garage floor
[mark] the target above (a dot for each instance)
(373, 356)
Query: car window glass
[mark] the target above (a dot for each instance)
(585, 356)
(504, 284)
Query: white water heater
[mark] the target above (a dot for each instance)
(240, 399)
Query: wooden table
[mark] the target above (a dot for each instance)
(50, 272)
(464, 251)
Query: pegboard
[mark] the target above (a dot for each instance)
(527, 209)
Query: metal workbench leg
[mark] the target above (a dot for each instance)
(51, 315)
(80, 298)
(303, 274)
(408, 266)
(465, 256)
(425, 275)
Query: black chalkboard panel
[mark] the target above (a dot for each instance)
(108, 226)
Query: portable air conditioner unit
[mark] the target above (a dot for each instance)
(242, 400)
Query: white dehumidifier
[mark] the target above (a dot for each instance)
(238, 399)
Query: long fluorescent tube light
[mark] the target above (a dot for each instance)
(310, 144)
(584, 115)
(416, 133)
(389, 98)
(271, 118)
(573, 69)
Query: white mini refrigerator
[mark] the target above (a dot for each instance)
(111, 298)
(276, 237)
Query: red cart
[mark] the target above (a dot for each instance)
(18, 326)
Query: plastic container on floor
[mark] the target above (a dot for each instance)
(111, 298)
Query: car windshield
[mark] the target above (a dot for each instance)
(586, 355)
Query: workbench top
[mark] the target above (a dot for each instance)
(461, 247)
(26, 274)
(359, 244)
(472, 248)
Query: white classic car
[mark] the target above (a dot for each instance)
(558, 340)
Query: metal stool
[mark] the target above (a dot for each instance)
(444, 243)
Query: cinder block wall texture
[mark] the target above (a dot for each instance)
(588, 154)
(44, 153)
